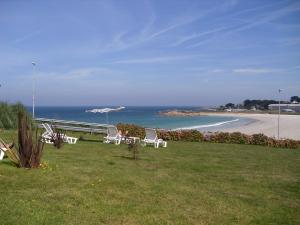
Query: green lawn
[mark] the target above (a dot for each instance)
(186, 183)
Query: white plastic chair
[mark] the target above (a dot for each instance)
(113, 135)
(49, 134)
(2, 152)
(152, 139)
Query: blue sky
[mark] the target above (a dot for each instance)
(149, 52)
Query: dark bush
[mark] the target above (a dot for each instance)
(238, 138)
(288, 143)
(191, 135)
(133, 130)
(221, 137)
(259, 139)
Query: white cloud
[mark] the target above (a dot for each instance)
(164, 59)
(26, 36)
(252, 70)
(76, 74)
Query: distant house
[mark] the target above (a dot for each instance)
(285, 107)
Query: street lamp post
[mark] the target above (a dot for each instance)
(33, 88)
(278, 127)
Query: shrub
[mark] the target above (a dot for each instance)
(217, 137)
(9, 115)
(238, 138)
(273, 142)
(134, 149)
(221, 137)
(191, 135)
(57, 137)
(259, 139)
(288, 143)
(30, 147)
(132, 130)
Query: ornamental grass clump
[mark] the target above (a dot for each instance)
(30, 147)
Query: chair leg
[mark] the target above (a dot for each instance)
(1, 154)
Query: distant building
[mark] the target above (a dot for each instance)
(284, 107)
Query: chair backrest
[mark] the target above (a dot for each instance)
(150, 134)
(112, 131)
(48, 128)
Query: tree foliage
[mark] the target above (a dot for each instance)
(259, 104)
(295, 98)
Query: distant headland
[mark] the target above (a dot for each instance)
(176, 112)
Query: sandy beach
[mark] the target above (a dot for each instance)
(266, 124)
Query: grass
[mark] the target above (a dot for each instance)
(186, 183)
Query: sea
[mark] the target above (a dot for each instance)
(149, 116)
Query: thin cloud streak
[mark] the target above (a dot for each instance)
(26, 36)
(164, 59)
(253, 70)
(250, 24)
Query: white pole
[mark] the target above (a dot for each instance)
(278, 127)
(33, 88)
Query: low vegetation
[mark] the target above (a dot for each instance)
(30, 146)
(57, 137)
(28, 152)
(185, 183)
(134, 149)
(9, 115)
(217, 137)
(257, 103)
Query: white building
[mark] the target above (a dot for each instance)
(295, 107)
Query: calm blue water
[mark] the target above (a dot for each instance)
(144, 116)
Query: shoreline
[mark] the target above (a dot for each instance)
(264, 123)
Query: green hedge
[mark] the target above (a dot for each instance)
(217, 137)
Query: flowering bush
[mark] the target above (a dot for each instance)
(133, 130)
(217, 137)
(239, 138)
(259, 139)
(184, 135)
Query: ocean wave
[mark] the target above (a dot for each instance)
(207, 125)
